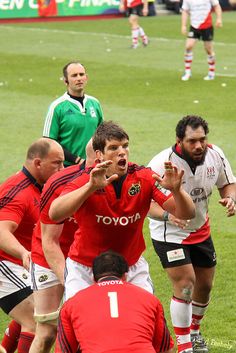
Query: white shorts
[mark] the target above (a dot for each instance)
(13, 278)
(79, 276)
(42, 277)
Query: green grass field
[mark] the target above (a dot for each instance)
(141, 89)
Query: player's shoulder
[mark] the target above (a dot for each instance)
(215, 150)
(161, 157)
(18, 181)
(91, 98)
(63, 176)
(137, 291)
(59, 101)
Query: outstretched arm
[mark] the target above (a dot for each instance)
(157, 213)
(181, 204)
(66, 205)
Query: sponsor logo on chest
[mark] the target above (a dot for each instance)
(118, 221)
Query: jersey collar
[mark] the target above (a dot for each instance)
(32, 179)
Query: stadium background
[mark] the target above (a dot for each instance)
(140, 89)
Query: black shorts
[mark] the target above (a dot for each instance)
(173, 255)
(9, 302)
(204, 34)
(136, 10)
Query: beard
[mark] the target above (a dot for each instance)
(192, 161)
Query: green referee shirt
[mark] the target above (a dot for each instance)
(71, 124)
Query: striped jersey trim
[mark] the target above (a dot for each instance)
(13, 192)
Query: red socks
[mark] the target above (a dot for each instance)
(11, 337)
(25, 341)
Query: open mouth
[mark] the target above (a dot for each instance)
(122, 163)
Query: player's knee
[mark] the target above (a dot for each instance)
(49, 318)
(187, 294)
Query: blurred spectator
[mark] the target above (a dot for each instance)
(174, 5)
(151, 8)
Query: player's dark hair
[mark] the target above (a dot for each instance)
(39, 149)
(64, 70)
(109, 263)
(193, 121)
(107, 131)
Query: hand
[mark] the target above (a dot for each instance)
(229, 203)
(121, 7)
(181, 223)
(145, 11)
(98, 179)
(184, 30)
(26, 258)
(172, 179)
(218, 23)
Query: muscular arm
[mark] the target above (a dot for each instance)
(66, 205)
(180, 204)
(10, 244)
(157, 213)
(52, 250)
(228, 197)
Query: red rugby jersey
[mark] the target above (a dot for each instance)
(113, 316)
(108, 220)
(19, 202)
(51, 191)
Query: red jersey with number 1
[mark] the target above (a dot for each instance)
(112, 218)
(113, 316)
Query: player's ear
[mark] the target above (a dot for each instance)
(178, 140)
(99, 157)
(37, 162)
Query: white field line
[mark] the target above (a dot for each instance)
(104, 35)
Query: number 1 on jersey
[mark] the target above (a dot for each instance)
(113, 304)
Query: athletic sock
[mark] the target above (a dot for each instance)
(181, 313)
(11, 337)
(188, 59)
(198, 311)
(25, 341)
(135, 34)
(211, 64)
(142, 35)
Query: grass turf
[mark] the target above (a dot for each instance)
(141, 89)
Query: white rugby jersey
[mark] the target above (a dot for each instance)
(200, 12)
(215, 170)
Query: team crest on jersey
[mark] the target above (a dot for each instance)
(43, 278)
(210, 172)
(92, 112)
(24, 275)
(134, 189)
